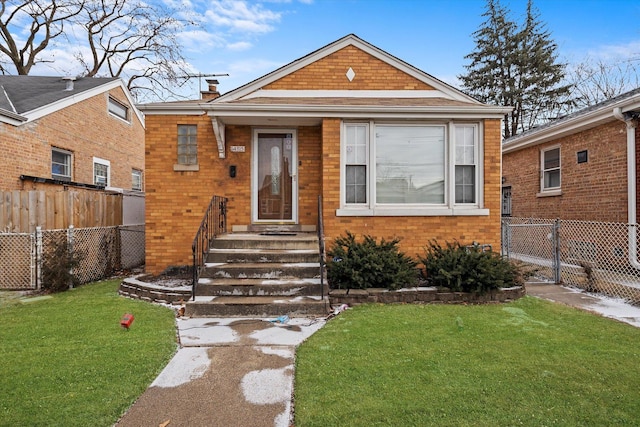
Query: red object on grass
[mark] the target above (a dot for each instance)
(126, 321)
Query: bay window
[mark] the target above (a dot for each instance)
(411, 169)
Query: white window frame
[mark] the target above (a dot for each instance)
(543, 171)
(136, 173)
(448, 208)
(118, 109)
(68, 155)
(102, 162)
(477, 164)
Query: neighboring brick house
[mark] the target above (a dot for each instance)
(393, 151)
(581, 167)
(83, 134)
(75, 131)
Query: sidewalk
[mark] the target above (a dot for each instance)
(605, 306)
(227, 372)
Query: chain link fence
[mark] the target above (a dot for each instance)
(98, 253)
(597, 257)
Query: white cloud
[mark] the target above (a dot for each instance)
(239, 46)
(616, 53)
(240, 16)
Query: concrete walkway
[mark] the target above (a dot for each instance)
(228, 372)
(608, 307)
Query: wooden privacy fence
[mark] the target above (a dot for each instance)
(21, 211)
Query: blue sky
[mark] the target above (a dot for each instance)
(248, 39)
(434, 35)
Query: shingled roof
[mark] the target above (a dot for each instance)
(21, 94)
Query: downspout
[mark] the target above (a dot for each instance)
(631, 183)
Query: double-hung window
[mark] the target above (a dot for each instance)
(101, 172)
(411, 169)
(550, 166)
(61, 161)
(187, 145)
(356, 164)
(465, 163)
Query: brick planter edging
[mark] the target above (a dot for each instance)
(353, 297)
(137, 289)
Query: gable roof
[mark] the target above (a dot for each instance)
(608, 111)
(349, 40)
(27, 98)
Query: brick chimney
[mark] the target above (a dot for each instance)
(212, 92)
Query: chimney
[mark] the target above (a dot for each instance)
(69, 81)
(212, 93)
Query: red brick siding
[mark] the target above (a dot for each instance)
(593, 191)
(87, 130)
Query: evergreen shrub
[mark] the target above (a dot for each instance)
(468, 268)
(367, 264)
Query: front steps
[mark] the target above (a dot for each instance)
(261, 274)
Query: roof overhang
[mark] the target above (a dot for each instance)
(11, 118)
(581, 121)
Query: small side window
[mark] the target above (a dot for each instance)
(136, 179)
(101, 172)
(550, 179)
(61, 164)
(118, 109)
(187, 145)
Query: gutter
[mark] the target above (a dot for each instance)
(629, 119)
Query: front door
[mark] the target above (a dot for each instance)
(275, 192)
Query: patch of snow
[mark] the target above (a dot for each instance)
(187, 365)
(285, 352)
(268, 386)
(617, 309)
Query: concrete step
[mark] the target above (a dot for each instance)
(290, 241)
(260, 287)
(262, 255)
(259, 306)
(263, 270)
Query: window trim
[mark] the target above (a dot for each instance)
(115, 113)
(70, 166)
(448, 208)
(139, 173)
(543, 171)
(103, 162)
(186, 166)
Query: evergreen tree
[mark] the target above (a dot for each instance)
(515, 65)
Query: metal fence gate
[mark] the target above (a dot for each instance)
(100, 250)
(597, 257)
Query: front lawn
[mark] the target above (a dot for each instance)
(529, 362)
(66, 361)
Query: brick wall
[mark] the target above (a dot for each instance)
(329, 73)
(591, 191)
(84, 128)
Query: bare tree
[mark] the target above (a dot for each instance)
(44, 21)
(135, 41)
(595, 81)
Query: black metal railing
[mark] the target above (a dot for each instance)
(321, 246)
(213, 224)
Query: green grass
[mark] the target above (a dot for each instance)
(66, 361)
(530, 363)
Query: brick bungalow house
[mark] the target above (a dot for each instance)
(77, 134)
(393, 151)
(580, 167)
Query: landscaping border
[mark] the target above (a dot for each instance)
(353, 297)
